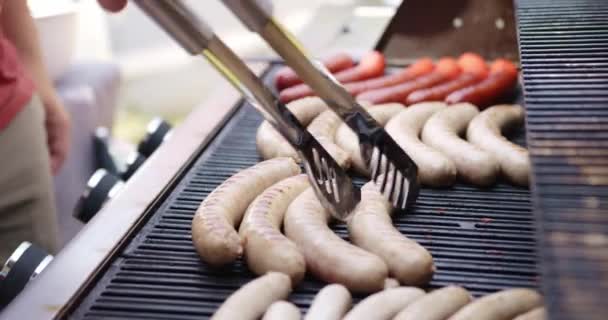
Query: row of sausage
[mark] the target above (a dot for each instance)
(466, 79)
(264, 297)
(445, 141)
(283, 234)
(283, 227)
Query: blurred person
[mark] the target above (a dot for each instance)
(34, 133)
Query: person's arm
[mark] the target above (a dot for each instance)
(18, 26)
(113, 5)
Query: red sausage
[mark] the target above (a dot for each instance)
(371, 65)
(419, 68)
(502, 79)
(446, 69)
(286, 77)
(474, 69)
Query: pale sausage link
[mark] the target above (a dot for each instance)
(328, 257)
(271, 144)
(434, 168)
(282, 310)
(503, 305)
(347, 140)
(331, 303)
(485, 131)
(384, 305)
(443, 130)
(371, 228)
(254, 298)
(213, 226)
(266, 248)
(437, 305)
(323, 128)
(535, 314)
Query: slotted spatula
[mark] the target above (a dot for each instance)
(391, 168)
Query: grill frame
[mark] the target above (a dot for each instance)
(78, 264)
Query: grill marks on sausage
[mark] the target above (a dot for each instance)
(266, 248)
(213, 226)
(371, 228)
(329, 257)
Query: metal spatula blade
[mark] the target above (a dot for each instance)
(333, 186)
(398, 180)
(374, 142)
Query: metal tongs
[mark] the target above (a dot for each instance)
(333, 186)
(391, 168)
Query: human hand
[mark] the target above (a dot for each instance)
(57, 124)
(113, 5)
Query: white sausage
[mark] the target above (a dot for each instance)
(536, 314)
(213, 226)
(434, 168)
(485, 131)
(251, 300)
(331, 303)
(385, 304)
(323, 128)
(390, 283)
(349, 142)
(371, 228)
(443, 130)
(271, 144)
(328, 257)
(266, 248)
(437, 305)
(282, 310)
(503, 305)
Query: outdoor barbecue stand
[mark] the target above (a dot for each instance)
(135, 258)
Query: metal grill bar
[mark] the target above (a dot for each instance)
(481, 239)
(564, 54)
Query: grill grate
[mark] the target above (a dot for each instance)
(481, 239)
(564, 56)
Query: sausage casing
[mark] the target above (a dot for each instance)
(213, 226)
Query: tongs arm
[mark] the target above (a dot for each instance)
(196, 37)
(381, 153)
(333, 186)
(257, 16)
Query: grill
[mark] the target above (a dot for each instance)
(553, 237)
(481, 239)
(564, 58)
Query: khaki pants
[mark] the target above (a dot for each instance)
(27, 208)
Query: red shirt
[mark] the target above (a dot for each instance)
(16, 87)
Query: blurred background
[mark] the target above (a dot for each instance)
(158, 78)
(116, 72)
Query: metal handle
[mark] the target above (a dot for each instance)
(311, 72)
(178, 20)
(198, 38)
(254, 14)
